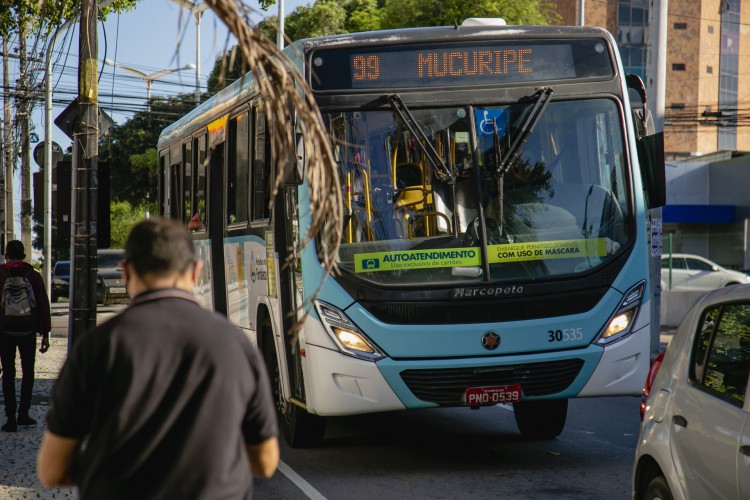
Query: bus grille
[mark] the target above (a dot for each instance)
(446, 387)
(416, 313)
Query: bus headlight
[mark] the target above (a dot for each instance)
(620, 324)
(349, 339)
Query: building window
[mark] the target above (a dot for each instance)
(710, 70)
(632, 26)
(710, 29)
(678, 67)
(680, 26)
(677, 105)
(729, 57)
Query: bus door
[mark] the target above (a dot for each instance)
(287, 236)
(216, 225)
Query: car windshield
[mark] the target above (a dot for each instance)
(62, 269)
(109, 260)
(418, 198)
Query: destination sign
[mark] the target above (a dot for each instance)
(459, 64)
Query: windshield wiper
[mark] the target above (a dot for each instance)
(541, 99)
(441, 169)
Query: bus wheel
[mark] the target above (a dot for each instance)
(300, 428)
(543, 419)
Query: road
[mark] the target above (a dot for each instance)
(462, 453)
(456, 453)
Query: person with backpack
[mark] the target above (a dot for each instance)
(24, 312)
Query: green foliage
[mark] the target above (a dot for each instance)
(124, 216)
(331, 17)
(228, 68)
(324, 17)
(46, 15)
(130, 149)
(363, 15)
(415, 13)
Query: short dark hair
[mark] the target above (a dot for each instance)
(160, 246)
(15, 250)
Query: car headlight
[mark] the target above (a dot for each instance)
(349, 339)
(620, 324)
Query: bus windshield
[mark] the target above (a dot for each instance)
(427, 200)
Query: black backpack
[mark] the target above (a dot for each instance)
(18, 314)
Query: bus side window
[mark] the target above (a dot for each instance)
(162, 187)
(175, 210)
(187, 181)
(237, 172)
(261, 184)
(201, 161)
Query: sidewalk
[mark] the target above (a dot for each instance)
(18, 450)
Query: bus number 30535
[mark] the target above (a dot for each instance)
(565, 335)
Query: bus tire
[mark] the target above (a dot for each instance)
(300, 428)
(542, 419)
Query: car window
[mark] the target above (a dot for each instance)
(698, 265)
(109, 260)
(677, 263)
(62, 268)
(721, 354)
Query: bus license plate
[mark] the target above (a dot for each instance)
(480, 396)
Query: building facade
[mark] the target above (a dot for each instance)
(708, 45)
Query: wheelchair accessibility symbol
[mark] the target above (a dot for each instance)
(487, 119)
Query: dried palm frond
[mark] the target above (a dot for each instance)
(285, 93)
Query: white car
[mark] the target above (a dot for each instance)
(695, 273)
(694, 441)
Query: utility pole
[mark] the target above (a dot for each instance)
(8, 228)
(581, 13)
(24, 110)
(84, 180)
(656, 73)
(656, 61)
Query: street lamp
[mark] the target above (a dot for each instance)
(148, 78)
(197, 10)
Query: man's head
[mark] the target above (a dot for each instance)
(159, 250)
(14, 250)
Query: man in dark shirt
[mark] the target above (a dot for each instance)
(25, 344)
(166, 400)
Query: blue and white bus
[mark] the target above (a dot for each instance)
(496, 181)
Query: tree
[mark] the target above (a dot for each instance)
(31, 22)
(124, 217)
(327, 17)
(130, 149)
(415, 13)
(228, 68)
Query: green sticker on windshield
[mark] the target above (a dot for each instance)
(538, 250)
(455, 257)
(416, 259)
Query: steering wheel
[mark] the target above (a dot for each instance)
(494, 233)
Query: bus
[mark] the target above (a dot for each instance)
(496, 182)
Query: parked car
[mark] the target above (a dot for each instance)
(109, 269)
(694, 440)
(60, 280)
(61, 283)
(695, 273)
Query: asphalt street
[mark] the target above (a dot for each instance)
(18, 450)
